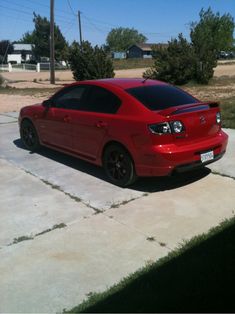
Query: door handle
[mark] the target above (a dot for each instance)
(101, 124)
(67, 119)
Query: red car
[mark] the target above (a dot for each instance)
(131, 127)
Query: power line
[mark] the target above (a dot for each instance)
(58, 16)
(71, 9)
(93, 25)
(16, 10)
(47, 6)
(14, 18)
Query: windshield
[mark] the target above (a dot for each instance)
(159, 97)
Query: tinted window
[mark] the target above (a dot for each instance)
(101, 100)
(70, 98)
(158, 97)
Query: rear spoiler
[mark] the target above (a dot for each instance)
(193, 107)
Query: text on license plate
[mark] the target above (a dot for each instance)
(207, 156)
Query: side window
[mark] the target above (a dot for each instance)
(101, 100)
(70, 98)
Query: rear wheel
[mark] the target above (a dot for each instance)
(29, 135)
(119, 166)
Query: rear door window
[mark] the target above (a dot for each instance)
(101, 100)
(160, 97)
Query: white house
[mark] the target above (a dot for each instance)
(21, 53)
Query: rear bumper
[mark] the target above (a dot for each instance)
(162, 160)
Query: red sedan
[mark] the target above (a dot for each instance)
(131, 127)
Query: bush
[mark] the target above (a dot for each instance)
(182, 61)
(88, 63)
(176, 64)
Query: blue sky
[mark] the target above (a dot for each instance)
(159, 20)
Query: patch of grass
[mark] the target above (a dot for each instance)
(228, 112)
(26, 238)
(117, 205)
(57, 187)
(21, 239)
(151, 239)
(59, 226)
(197, 277)
(132, 63)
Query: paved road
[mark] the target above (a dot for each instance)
(65, 232)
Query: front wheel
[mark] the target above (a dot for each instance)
(29, 136)
(119, 166)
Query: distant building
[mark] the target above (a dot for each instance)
(21, 53)
(119, 55)
(144, 50)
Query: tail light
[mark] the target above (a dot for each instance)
(167, 127)
(218, 118)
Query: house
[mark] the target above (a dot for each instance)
(119, 55)
(144, 50)
(21, 53)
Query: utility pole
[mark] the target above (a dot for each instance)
(52, 43)
(80, 26)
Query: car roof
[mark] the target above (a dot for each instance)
(123, 83)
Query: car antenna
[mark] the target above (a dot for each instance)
(145, 80)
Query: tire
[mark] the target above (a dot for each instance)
(29, 136)
(119, 166)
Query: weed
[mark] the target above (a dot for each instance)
(151, 239)
(21, 239)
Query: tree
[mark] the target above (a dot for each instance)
(88, 63)
(28, 38)
(175, 64)
(183, 61)
(120, 39)
(40, 38)
(210, 35)
(5, 48)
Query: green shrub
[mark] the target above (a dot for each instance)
(89, 63)
(175, 64)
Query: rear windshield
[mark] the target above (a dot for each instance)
(159, 97)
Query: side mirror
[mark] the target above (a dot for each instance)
(47, 103)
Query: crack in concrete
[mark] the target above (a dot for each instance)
(77, 199)
(222, 175)
(151, 239)
(117, 205)
(32, 237)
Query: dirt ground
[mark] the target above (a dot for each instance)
(13, 101)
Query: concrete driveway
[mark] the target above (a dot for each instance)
(66, 232)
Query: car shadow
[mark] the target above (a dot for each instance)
(147, 185)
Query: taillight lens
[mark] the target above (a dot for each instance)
(177, 126)
(160, 128)
(166, 127)
(218, 117)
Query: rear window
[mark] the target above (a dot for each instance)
(159, 97)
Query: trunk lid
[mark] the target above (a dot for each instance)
(199, 120)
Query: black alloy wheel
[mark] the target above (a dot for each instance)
(29, 135)
(119, 166)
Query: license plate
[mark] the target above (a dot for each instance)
(207, 156)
